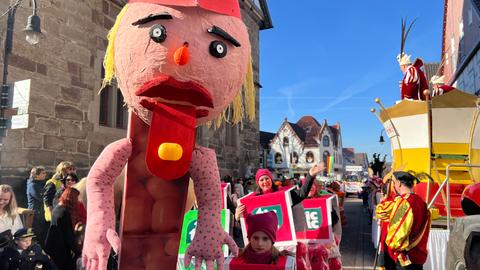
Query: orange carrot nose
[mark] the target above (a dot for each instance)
(181, 55)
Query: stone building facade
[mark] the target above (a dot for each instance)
(62, 116)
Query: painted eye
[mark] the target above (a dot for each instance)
(218, 49)
(158, 33)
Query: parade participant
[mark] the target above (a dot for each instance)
(60, 243)
(24, 255)
(414, 80)
(262, 234)
(167, 57)
(53, 185)
(9, 218)
(439, 86)
(327, 255)
(265, 185)
(382, 214)
(409, 226)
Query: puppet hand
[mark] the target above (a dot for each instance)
(207, 245)
(96, 250)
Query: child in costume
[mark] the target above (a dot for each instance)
(262, 234)
(25, 255)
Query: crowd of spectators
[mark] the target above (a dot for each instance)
(55, 233)
(52, 239)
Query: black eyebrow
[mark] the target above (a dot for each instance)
(152, 17)
(215, 30)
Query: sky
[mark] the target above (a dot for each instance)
(331, 59)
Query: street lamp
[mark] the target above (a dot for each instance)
(381, 141)
(33, 34)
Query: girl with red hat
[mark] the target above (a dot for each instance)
(262, 234)
(265, 185)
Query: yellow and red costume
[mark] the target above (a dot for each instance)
(414, 81)
(382, 213)
(408, 230)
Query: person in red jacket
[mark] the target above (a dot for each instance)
(439, 87)
(414, 80)
(409, 226)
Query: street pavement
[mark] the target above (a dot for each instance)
(356, 247)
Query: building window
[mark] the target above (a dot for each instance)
(309, 157)
(285, 141)
(294, 158)
(326, 141)
(278, 158)
(113, 111)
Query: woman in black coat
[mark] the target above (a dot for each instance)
(60, 243)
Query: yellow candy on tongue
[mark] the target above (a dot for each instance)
(170, 151)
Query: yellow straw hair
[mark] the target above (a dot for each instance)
(109, 60)
(244, 100)
(250, 93)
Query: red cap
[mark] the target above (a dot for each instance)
(266, 222)
(262, 172)
(225, 7)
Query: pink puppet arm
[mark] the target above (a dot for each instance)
(209, 234)
(100, 233)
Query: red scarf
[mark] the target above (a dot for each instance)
(252, 257)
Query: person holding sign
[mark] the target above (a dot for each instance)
(262, 233)
(265, 185)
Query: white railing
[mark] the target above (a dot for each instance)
(445, 182)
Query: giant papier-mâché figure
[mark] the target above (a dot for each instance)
(179, 64)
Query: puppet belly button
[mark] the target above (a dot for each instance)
(170, 151)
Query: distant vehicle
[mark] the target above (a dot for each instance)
(353, 185)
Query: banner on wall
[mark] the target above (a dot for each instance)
(318, 218)
(279, 202)
(188, 232)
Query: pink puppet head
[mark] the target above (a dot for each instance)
(180, 64)
(188, 52)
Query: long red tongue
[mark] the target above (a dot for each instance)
(170, 140)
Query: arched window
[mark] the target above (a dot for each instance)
(278, 158)
(309, 157)
(326, 141)
(285, 141)
(294, 158)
